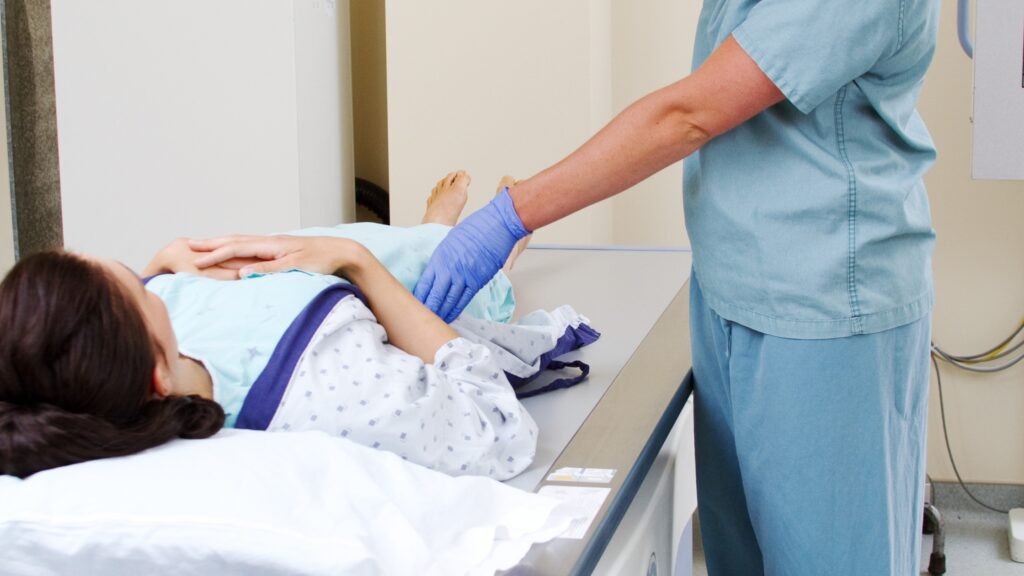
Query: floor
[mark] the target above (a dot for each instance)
(976, 539)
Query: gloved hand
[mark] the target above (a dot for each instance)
(469, 257)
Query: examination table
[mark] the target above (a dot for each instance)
(623, 438)
(631, 416)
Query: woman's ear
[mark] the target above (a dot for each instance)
(161, 380)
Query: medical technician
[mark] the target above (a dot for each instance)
(811, 292)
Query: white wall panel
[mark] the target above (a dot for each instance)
(999, 90)
(198, 117)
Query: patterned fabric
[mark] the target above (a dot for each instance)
(458, 415)
(520, 347)
(234, 327)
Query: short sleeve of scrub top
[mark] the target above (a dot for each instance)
(811, 49)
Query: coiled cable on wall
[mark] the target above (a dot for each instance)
(996, 353)
(971, 363)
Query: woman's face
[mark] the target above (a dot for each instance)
(153, 309)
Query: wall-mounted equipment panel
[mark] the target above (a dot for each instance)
(999, 90)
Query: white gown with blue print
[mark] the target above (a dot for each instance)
(300, 351)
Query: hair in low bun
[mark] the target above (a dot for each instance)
(76, 369)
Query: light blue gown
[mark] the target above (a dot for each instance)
(235, 327)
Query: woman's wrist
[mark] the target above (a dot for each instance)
(154, 268)
(162, 262)
(353, 260)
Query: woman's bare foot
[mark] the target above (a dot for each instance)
(510, 182)
(447, 199)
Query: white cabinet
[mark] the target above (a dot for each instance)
(200, 117)
(658, 523)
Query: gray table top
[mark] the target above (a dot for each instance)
(618, 418)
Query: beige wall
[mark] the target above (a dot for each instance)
(6, 223)
(520, 86)
(370, 91)
(979, 274)
(493, 88)
(458, 108)
(652, 45)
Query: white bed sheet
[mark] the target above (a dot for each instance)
(259, 503)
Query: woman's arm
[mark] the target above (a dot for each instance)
(410, 325)
(652, 133)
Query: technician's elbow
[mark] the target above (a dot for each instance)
(694, 134)
(685, 129)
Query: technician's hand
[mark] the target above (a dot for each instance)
(266, 254)
(469, 257)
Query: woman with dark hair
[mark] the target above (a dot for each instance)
(95, 362)
(79, 366)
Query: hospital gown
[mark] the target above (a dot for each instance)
(458, 414)
(298, 351)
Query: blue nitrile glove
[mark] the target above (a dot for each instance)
(469, 257)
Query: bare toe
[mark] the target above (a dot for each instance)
(461, 178)
(448, 199)
(505, 182)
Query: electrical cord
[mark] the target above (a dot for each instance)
(996, 350)
(988, 357)
(1000, 351)
(969, 366)
(971, 363)
(945, 434)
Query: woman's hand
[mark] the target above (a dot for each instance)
(179, 257)
(264, 254)
(409, 325)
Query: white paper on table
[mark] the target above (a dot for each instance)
(581, 503)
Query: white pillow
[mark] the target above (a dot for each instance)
(255, 503)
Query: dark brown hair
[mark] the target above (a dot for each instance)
(76, 370)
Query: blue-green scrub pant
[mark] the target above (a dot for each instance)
(810, 453)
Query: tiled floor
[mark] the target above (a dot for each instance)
(976, 539)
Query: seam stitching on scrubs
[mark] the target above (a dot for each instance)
(851, 271)
(870, 323)
(899, 28)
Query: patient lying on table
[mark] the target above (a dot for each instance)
(95, 364)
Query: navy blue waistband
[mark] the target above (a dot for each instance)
(572, 339)
(264, 397)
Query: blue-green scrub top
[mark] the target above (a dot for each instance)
(811, 219)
